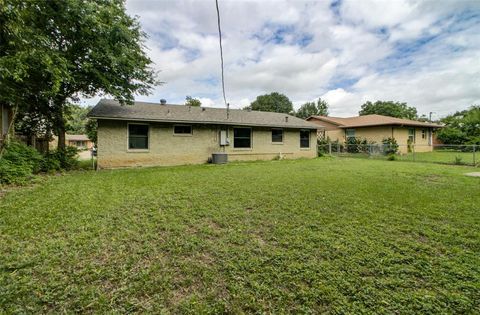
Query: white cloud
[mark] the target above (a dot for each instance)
(424, 53)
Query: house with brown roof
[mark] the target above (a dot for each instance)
(147, 134)
(81, 142)
(375, 128)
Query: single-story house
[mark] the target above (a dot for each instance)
(146, 134)
(6, 117)
(376, 128)
(81, 142)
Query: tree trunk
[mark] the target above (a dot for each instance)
(61, 133)
(10, 131)
(60, 123)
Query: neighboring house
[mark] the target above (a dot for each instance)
(159, 134)
(80, 142)
(6, 117)
(378, 127)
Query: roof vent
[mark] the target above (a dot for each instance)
(203, 109)
(286, 118)
(163, 101)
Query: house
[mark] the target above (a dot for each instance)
(376, 128)
(6, 117)
(146, 134)
(81, 142)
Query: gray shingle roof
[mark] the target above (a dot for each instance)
(142, 111)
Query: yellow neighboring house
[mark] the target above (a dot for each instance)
(377, 127)
(146, 134)
(6, 117)
(81, 142)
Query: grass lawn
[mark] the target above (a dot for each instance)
(448, 157)
(332, 235)
(442, 157)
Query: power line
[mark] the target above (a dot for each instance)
(221, 52)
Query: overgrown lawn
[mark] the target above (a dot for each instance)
(325, 235)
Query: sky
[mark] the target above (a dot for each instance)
(424, 53)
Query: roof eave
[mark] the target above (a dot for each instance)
(391, 124)
(204, 122)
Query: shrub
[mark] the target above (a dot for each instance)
(391, 157)
(390, 146)
(458, 161)
(358, 145)
(60, 159)
(18, 163)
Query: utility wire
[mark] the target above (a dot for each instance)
(221, 52)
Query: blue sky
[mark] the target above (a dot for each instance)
(425, 53)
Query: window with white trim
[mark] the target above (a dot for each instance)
(304, 138)
(277, 135)
(138, 137)
(411, 135)
(242, 137)
(182, 130)
(350, 133)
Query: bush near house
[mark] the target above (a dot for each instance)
(20, 162)
(390, 146)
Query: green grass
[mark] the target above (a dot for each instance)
(447, 157)
(324, 235)
(441, 157)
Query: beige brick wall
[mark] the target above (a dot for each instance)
(165, 148)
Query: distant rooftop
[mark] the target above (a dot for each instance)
(76, 137)
(372, 120)
(156, 112)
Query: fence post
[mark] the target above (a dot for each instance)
(330, 148)
(413, 150)
(474, 160)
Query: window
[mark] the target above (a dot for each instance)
(277, 135)
(137, 137)
(182, 130)
(304, 138)
(242, 137)
(424, 134)
(411, 135)
(350, 133)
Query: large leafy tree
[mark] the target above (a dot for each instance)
(190, 101)
(273, 102)
(76, 117)
(87, 47)
(318, 108)
(30, 71)
(389, 108)
(463, 127)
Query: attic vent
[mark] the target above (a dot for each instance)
(286, 118)
(163, 101)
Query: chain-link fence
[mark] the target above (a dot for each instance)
(439, 153)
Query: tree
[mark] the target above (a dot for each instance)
(85, 48)
(76, 117)
(463, 127)
(319, 108)
(190, 101)
(91, 127)
(30, 71)
(273, 102)
(389, 108)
